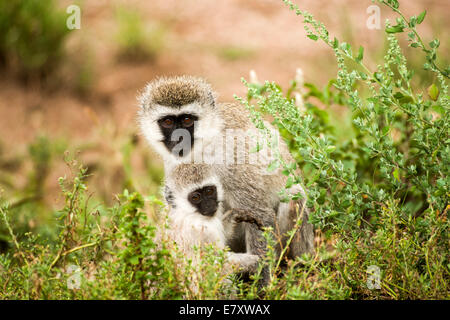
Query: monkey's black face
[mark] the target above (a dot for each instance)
(205, 200)
(168, 124)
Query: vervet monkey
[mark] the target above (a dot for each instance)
(183, 111)
(197, 214)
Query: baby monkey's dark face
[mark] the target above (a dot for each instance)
(168, 124)
(205, 200)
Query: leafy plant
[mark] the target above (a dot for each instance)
(136, 40)
(32, 35)
(383, 194)
(105, 253)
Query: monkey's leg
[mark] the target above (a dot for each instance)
(256, 244)
(303, 240)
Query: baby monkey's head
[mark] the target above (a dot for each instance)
(195, 189)
(196, 205)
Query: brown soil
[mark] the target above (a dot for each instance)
(198, 33)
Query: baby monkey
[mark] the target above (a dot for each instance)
(197, 214)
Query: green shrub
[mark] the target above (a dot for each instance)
(137, 40)
(116, 253)
(381, 194)
(32, 34)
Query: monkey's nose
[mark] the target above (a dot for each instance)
(209, 211)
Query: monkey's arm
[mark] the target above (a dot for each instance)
(255, 243)
(240, 215)
(303, 240)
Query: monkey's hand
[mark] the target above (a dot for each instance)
(243, 262)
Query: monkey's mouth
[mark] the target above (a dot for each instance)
(210, 210)
(209, 213)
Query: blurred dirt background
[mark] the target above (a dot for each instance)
(90, 101)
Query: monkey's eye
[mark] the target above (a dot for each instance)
(167, 122)
(187, 121)
(196, 197)
(209, 191)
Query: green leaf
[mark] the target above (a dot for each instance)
(435, 44)
(447, 71)
(134, 260)
(313, 90)
(346, 48)
(297, 196)
(439, 109)
(433, 92)
(291, 166)
(313, 37)
(273, 165)
(346, 203)
(290, 182)
(362, 75)
(394, 3)
(330, 149)
(360, 54)
(402, 98)
(335, 43)
(396, 175)
(398, 95)
(394, 29)
(378, 76)
(421, 17)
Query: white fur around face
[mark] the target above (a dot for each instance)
(196, 230)
(192, 228)
(206, 129)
